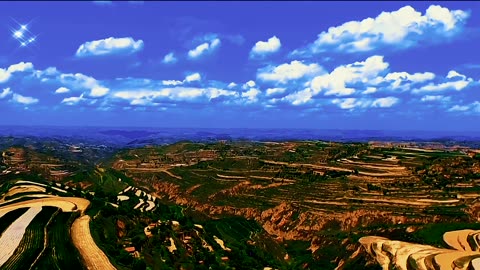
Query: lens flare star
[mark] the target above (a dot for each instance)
(22, 34)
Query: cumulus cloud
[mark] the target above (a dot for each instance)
(459, 108)
(351, 103)
(99, 91)
(385, 102)
(367, 73)
(251, 94)
(62, 90)
(275, 91)
(193, 77)
(453, 74)
(206, 47)
(79, 82)
(169, 58)
(172, 82)
(335, 82)
(73, 100)
(362, 85)
(403, 28)
(370, 90)
(453, 81)
(249, 84)
(103, 3)
(468, 108)
(5, 74)
(371, 77)
(20, 67)
(300, 97)
(5, 92)
(109, 46)
(429, 98)
(213, 93)
(348, 103)
(153, 97)
(266, 47)
(23, 99)
(288, 71)
(398, 78)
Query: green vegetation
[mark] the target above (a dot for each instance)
(432, 234)
(60, 252)
(32, 242)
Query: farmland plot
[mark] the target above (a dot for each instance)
(23, 240)
(32, 242)
(93, 256)
(10, 217)
(60, 252)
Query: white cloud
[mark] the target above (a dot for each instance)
(352, 103)
(231, 85)
(251, 94)
(429, 98)
(24, 100)
(459, 108)
(385, 102)
(348, 103)
(73, 100)
(20, 67)
(286, 72)
(189, 93)
(398, 77)
(99, 91)
(81, 82)
(172, 82)
(215, 92)
(103, 3)
(452, 74)
(300, 97)
(370, 90)
(193, 77)
(402, 29)
(472, 107)
(204, 48)
(275, 91)
(109, 46)
(335, 83)
(6, 92)
(169, 58)
(143, 97)
(5, 74)
(456, 85)
(62, 90)
(249, 84)
(266, 47)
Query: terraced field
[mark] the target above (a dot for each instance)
(464, 252)
(32, 241)
(312, 200)
(322, 180)
(59, 253)
(35, 228)
(93, 257)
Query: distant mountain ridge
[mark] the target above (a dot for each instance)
(124, 136)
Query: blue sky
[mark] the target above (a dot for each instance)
(346, 65)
